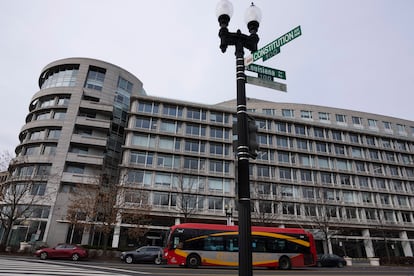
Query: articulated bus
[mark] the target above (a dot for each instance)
(196, 244)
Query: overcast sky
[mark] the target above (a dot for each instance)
(352, 54)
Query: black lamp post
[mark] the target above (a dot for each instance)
(224, 11)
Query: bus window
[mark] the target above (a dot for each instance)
(231, 243)
(214, 244)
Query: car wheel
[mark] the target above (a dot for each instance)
(129, 259)
(75, 257)
(284, 263)
(319, 264)
(43, 256)
(340, 264)
(193, 261)
(157, 260)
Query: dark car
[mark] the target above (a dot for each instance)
(145, 254)
(62, 251)
(331, 260)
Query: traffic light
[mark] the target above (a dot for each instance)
(251, 137)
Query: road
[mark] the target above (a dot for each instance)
(17, 266)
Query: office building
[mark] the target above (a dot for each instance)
(347, 176)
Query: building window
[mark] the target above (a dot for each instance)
(323, 116)
(172, 110)
(221, 167)
(263, 171)
(321, 147)
(326, 178)
(300, 130)
(306, 176)
(143, 140)
(145, 123)
(196, 130)
(263, 124)
(387, 126)
(168, 161)
(300, 144)
(54, 134)
(360, 166)
(78, 169)
(216, 117)
(161, 199)
(38, 189)
(142, 158)
(306, 114)
(356, 152)
(285, 174)
(287, 113)
(196, 114)
(139, 177)
(323, 162)
(169, 143)
(319, 132)
(283, 157)
(95, 78)
(372, 124)
(337, 135)
(219, 149)
(194, 163)
(370, 140)
(340, 118)
(357, 121)
(170, 126)
(401, 129)
(62, 75)
(215, 203)
(148, 107)
(339, 150)
(282, 141)
(219, 133)
(195, 146)
(354, 138)
(269, 111)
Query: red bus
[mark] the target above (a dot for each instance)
(196, 244)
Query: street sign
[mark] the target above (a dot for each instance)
(273, 47)
(266, 83)
(266, 71)
(271, 54)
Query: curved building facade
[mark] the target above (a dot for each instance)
(345, 175)
(73, 134)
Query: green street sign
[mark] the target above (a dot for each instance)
(271, 54)
(266, 71)
(270, 49)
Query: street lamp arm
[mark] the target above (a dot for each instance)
(237, 39)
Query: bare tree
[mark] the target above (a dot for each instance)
(187, 200)
(5, 158)
(262, 211)
(20, 197)
(324, 218)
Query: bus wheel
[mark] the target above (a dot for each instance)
(284, 263)
(193, 261)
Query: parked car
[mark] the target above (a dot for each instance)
(144, 254)
(330, 260)
(62, 251)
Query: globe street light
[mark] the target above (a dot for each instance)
(224, 11)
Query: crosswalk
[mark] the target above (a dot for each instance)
(16, 267)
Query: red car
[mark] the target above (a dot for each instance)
(64, 251)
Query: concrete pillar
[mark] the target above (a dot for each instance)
(117, 230)
(405, 243)
(85, 235)
(369, 248)
(177, 221)
(115, 239)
